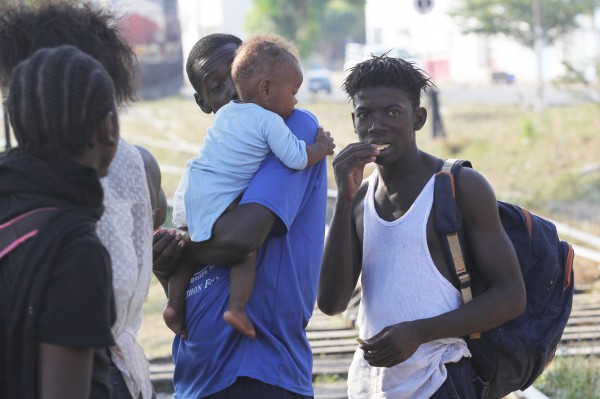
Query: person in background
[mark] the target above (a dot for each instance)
(127, 223)
(411, 317)
(282, 214)
(56, 297)
(437, 124)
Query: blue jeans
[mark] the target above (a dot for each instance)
(249, 388)
(461, 383)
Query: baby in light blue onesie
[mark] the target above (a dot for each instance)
(267, 76)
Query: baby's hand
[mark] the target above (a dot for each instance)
(324, 137)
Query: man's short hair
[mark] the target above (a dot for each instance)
(202, 49)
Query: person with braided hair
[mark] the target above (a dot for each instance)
(132, 192)
(56, 296)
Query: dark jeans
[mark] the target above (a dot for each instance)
(461, 383)
(248, 388)
(118, 386)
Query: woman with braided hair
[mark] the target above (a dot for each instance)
(56, 297)
(132, 192)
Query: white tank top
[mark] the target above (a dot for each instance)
(400, 283)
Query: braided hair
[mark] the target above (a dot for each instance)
(391, 72)
(93, 30)
(56, 99)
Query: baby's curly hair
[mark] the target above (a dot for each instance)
(260, 55)
(391, 72)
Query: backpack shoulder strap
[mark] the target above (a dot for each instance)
(21, 228)
(449, 226)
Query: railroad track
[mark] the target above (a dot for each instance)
(333, 341)
(333, 338)
(582, 334)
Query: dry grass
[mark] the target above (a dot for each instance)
(532, 159)
(154, 336)
(537, 161)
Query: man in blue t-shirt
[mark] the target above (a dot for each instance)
(282, 213)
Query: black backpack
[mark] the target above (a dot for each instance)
(511, 356)
(22, 228)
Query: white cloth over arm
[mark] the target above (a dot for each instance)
(125, 229)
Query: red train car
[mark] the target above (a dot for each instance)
(152, 28)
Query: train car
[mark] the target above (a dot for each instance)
(152, 28)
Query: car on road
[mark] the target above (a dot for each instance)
(503, 77)
(356, 53)
(319, 80)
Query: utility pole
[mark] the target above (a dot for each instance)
(538, 31)
(596, 30)
(437, 126)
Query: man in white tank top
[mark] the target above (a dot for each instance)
(411, 316)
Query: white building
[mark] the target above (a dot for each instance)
(450, 55)
(199, 18)
(434, 38)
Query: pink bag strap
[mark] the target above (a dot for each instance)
(21, 228)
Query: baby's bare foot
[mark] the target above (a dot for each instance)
(237, 319)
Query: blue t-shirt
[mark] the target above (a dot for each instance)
(285, 289)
